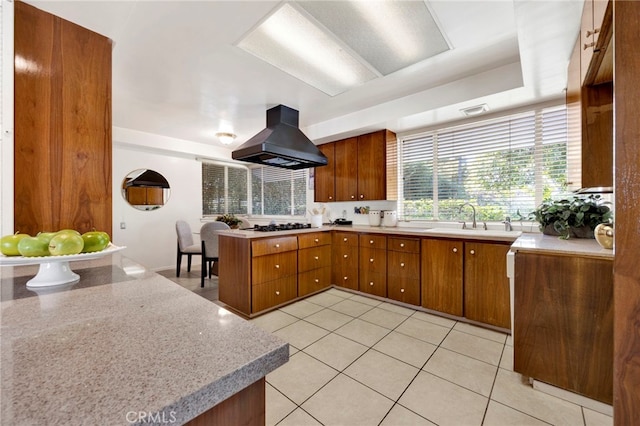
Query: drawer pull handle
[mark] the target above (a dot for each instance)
(345, 239)
(345, 278)
(472, 252)
(402, 265)
(361, 196)
(277, 266)
(371, 260)
(277, 245)
(455, 249)
(588, 45)
(277, 293)
(353, 196)
(401, 244)
(594, 32)
(371, 283)
(370, 241)
(402, 290)
(316, 258)
(317, 240)
(345, 256)
(317, 280)
(330, 197)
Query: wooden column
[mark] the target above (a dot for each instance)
(62, 175)
(626, 404)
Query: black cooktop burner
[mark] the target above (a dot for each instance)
(281, 227)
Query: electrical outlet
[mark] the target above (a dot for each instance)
(123, 225)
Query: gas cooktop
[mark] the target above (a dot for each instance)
(281, 227)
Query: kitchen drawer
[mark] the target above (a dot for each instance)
(404, 289)
(313, 258)
(373, 283)
(274, 266)
(273, 293)
(273, 245)
(314, 239)
(373, 260)
(315, 280)
(344, 266)
(373, 241)
(407, 245)
(403, 264)
(344, 239)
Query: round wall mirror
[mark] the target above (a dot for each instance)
(145, 189)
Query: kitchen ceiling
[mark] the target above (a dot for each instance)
(178, 69)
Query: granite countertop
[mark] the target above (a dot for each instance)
(547, 244)
(441, 232)
(123, 340)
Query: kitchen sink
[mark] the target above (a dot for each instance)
(476, 233)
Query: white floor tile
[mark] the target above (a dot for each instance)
(423, 330)
(496, 336)
(324, 299)
(366, 300)
(277, 407)
(506, 361)
(301, 377)
(396, 308)
(301, 309)
(593, 418)
(400, 416)
(343, 401)
(301, 334)
(435, 319)
(340, 293)
(383, 318)
(443, 402)
(274, 320)
(382, 373)
(406, 348)
(473, 346)
(362, 332)
(299, 418)
(336, 351)
(352, 308)
(501, 415)
(328, 319)
(477, 376)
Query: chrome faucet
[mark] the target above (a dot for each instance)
(507, 224)
(474, 225)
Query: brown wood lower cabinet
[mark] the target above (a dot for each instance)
(314, 262)
(273, 293)
(403, 270)
(344, 264)
(442, 263)
(373, 264)
(563, 325)
(314, 280)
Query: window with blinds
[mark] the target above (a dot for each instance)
(504, 167)
(277, 191)
(224, 189)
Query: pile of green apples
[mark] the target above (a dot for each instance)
(63, 242)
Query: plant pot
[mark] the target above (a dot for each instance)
(581, 232)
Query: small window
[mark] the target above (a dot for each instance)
(224, 189)
(277, 191)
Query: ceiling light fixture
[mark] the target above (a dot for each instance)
(475, 110)
(225, 138)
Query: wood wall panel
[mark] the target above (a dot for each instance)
(626, 404)
(62, 101)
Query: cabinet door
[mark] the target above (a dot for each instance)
(315, 280)
(486, 286)
(137, 196)
(314, 258)
(563, 331)
(372, 176)
(441, 271)
(403, 289)
(273, 266)
(345, 266)
(373, 271)
(346, 169)
(273, 293)
(324, 185)
(587, 40)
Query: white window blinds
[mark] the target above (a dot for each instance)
(277, 191)
(224, 189)
(503, 167)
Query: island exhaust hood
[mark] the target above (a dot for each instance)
(281, 144)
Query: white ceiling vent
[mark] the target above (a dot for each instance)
(475, 110)
(334, 46)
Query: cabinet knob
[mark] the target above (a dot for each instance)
(330, 197)
(277, 266)
(588, 45)
(371, 283)
(594, 32)
(402, 265)
(402, 290)
(317, 280)
(401, 244)
(370, 241)
(316, 258)
(345, 278)
(361, 196)
(353, 196)
(316, 240)
(344, 239)
(455, 249)
(277, 245)
(345, 255)
(371, 260)
(472, 251)
(277, 293)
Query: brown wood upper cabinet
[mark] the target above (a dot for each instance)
(357, 169)
(596, 42)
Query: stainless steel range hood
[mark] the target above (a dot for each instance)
(281, 144)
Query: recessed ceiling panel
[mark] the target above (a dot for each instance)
(389, 35)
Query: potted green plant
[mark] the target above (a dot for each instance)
(230, 219)
(572, 217)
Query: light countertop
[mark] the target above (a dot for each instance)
(121, 340)
(547, 244)
(466, 234)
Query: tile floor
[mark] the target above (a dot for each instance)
(360, 361)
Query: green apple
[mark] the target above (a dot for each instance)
(72, 231)
(9, 244)
(46, 236)
(65, 243)
(95, 241)
(33, 246)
